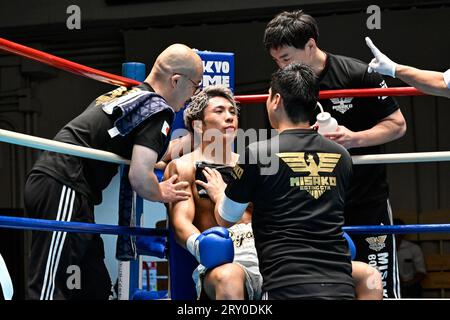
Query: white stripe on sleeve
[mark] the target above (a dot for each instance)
(447, 78)
(231, 210)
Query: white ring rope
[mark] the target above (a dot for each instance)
(61, 147)
(66, 148)
(402, 157)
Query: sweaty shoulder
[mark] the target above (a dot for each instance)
(183, 166)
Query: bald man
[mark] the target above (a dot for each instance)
(133, 123)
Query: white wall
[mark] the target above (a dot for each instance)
(106, 213)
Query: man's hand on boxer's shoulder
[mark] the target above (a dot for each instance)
(172, 191)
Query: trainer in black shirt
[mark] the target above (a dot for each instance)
(90, 129)
(299, 207)
(64, 187)
(364, 125)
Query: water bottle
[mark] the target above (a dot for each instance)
(326, 123)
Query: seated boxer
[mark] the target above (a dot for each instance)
(214, 112)
(215, 108)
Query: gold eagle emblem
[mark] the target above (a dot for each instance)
(111, 95)
(377, 243)
(314, 183)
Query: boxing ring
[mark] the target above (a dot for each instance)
(156, 237)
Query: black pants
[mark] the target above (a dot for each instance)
(376, 250)
(312, 291)
(63, 265)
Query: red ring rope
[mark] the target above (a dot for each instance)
(64, 64)
(326, 94)
(113, 79)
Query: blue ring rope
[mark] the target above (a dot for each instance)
(78, 227)
(83, 227)
(398, 229)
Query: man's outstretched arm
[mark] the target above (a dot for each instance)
(430, 82)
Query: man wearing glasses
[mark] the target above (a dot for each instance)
(133, 123)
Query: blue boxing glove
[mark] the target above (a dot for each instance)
(351, 245)
(211, 248)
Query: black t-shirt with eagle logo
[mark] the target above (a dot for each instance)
(357, 114)
(90, 129)
(298, 194)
